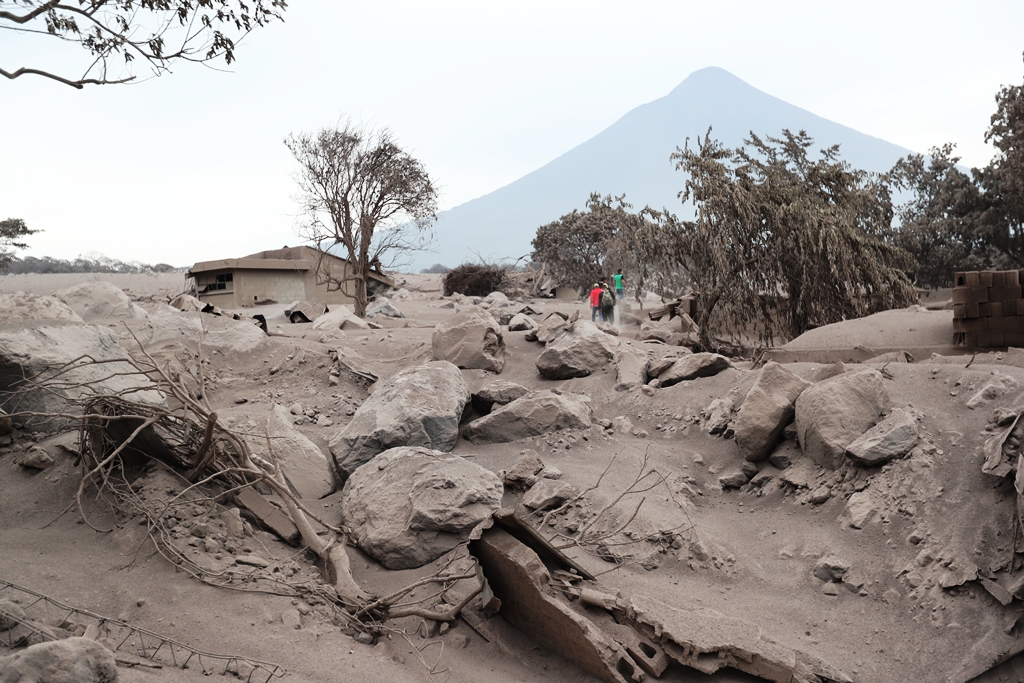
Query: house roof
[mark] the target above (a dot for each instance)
(302, 258)
(251, 264)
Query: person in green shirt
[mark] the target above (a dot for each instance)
(620, 284)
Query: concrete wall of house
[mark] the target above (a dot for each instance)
(221, 299)
(317, 291)
(283, 286)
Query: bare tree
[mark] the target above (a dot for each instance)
(362, 193)
(116, 33)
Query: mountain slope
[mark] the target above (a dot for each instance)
(632, 156)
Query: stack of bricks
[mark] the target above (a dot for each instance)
(988, 309)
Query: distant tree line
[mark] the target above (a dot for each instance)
(47, 264)
(785, 240)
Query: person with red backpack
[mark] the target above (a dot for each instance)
(595, 302)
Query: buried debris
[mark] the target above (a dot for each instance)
(1002, 449)
(519, 579)
(614, 638)
(708, 641)
(98, 642)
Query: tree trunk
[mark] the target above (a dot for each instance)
(360, 293)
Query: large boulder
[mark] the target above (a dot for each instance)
(497, 392)
(551, 328)
(381, 308)
(496, 299)
(42, 369)
(217, 333)
(305, 467)
(831, 414)
(340, 318)
(893, 437)
(72, 660)
(693, 366)
(305, 311)
(630, 369)
(537, 413)
(769, 406)
(22, 306)
(187, 303)
(578, 352)
(470, 339)
(412, 505)
(98, 300)
(661, 330)
(521, 322)
(418, 406)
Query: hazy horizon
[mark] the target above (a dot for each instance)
(191, 166)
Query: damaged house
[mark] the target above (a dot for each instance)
(280, 275)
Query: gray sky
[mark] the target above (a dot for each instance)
(191, 166)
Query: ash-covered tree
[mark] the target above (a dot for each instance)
(1003, 179)
(581, 247)
(783, 240)
(958, 221)
(115, 37)
(363, 198)
(12, 231)
(945, 223)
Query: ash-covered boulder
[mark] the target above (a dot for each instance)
(548, 493)
(769, 406)
(418, 406)
(831, 414)
(578, 352)
(831, 569)
(72, 660)
(339, 318)
(218, 333)
(412, 505)
(32, 357)
(661, 330)
(860, 509)
(537, 413)
(498, 393)
(693, 366)
(22, 306)
(306, 469)
(891, 438)
(733, 479)
(551, 328)
(381, 307)
(521, 322)
(496, 299)
(524, 471)
(630, 369)
(98, 300)
(470, 339)
(187, 303)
